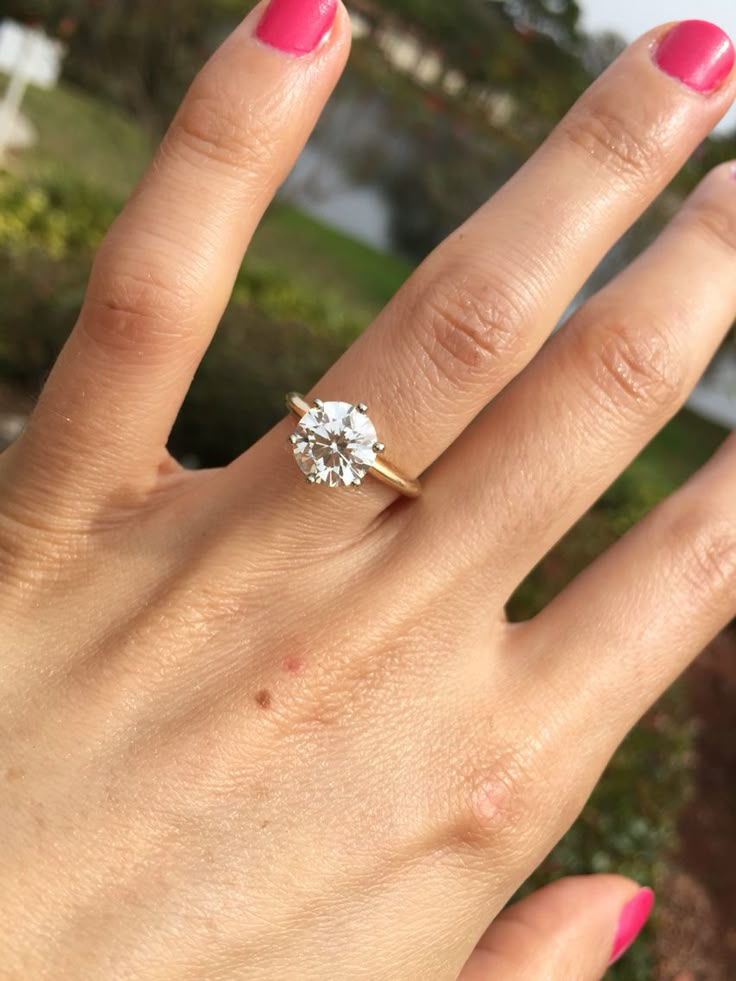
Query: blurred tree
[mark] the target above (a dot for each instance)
(138, 53)
(142, 54)
(503, 43)
(523, 63)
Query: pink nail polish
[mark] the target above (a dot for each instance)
(697, 53)
(633, 917)
(296, 26)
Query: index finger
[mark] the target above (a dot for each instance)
(166, 269)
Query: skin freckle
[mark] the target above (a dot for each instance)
(14, 773)
(264, 698)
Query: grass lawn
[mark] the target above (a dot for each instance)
(363, 278)
(81, 136)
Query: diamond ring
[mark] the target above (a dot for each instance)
(336, 444)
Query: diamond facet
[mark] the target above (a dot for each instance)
(336, 444)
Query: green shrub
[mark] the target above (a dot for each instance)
(41, 299)
(55, 216)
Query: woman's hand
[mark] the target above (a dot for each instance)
(255, 729)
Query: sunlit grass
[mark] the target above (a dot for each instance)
(361, 276)
(83, 137)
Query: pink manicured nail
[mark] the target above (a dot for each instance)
(698, 53)
(297, 26)
(631, 922)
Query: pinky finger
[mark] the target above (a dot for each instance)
(643, 611)
(575, 928)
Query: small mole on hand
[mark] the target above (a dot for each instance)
(293, 665)
(14, 773)
(264, 699)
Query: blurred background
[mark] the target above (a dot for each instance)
(441, 102)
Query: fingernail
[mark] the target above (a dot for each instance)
(296, 26)
(633, 917)
(697, 53)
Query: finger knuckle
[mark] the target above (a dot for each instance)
(215, 128)
(33, 552)
(632, 366)
(629, 154)
(137, 307)
(469, 325)
(716, 222)
(490, 800)
(706, 544)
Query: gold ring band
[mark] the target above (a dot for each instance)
(379, 467)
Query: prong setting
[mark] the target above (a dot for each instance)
(335, 443)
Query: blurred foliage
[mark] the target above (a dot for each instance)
(238, 393)
(502, 44)
(48, 231)
(136, 53)
(54, 217)
(141, 54)
(346, 274)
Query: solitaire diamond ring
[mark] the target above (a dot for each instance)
(337, 445)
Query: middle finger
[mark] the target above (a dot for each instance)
(601, 389)
(479, 308)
